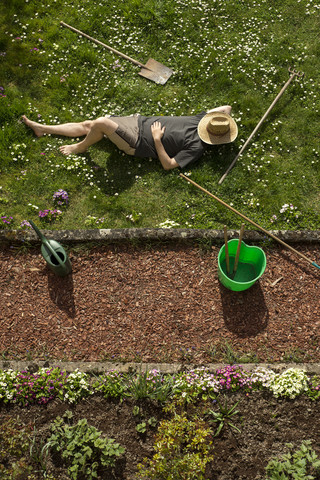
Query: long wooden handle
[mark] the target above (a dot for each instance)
(236, 260)
(103, 45)
(258, 126)
(226, 249)
(250, 221)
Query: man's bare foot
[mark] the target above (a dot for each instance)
(72, 149)
(36, 127)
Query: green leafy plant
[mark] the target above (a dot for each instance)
(141, 427)
(182, 450)
(223, 417)
(152, 421)
(182, 446)
(82, 447)
(302, 464)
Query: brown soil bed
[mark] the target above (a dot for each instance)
(266, 425)
(161, 303)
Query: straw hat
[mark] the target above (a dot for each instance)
(216, 128)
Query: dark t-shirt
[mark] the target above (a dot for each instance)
(180, 140)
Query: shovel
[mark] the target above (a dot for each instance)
(153, 70)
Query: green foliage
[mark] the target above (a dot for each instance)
(313, 390)
(141, 427)
(182, 450)
(302, 464)
(14, 444)
(111, 385)
(82, 447)
(150, 384)
(223, 416)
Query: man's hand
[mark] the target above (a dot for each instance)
(157, 131)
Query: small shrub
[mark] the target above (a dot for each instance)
(14, 446)
(182, 450)
(82, 447)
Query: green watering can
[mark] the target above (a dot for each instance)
(54, 254)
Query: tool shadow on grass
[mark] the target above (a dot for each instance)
(245, 313)
(61, 292)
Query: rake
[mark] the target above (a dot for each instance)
(251, 221)
(294, 73)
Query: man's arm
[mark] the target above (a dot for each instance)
(224, 109)
(157, 133)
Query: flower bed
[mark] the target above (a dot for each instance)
(149, 425)
(25, 388)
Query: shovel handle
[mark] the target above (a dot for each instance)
(103, 44)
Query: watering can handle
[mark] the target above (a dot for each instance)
(46, 244)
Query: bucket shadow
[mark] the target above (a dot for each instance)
(61, 293)
(245, 313)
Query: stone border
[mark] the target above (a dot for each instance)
(101, 367)
(157, 234)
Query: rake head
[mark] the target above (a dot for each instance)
(295, 72)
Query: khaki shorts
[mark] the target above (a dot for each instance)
(127, 133)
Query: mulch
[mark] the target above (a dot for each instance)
(157, 303)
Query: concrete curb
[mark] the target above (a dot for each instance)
(171, 368)
(157, 234)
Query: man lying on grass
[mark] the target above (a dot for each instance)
(176, 141)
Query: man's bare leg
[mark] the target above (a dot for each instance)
(93, 129)
(65, 129)
(99, 128)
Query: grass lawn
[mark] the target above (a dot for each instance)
(233, 52)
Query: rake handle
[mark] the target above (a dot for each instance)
(293, 74)
(250, 221)
(103, 45)
(236, 261)
(226, 249)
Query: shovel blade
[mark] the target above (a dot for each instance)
(155, 71)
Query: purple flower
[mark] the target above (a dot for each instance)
(49, 215)
(61, 198)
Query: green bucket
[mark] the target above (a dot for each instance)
(252, 264)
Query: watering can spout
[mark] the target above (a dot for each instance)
(53, 253)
